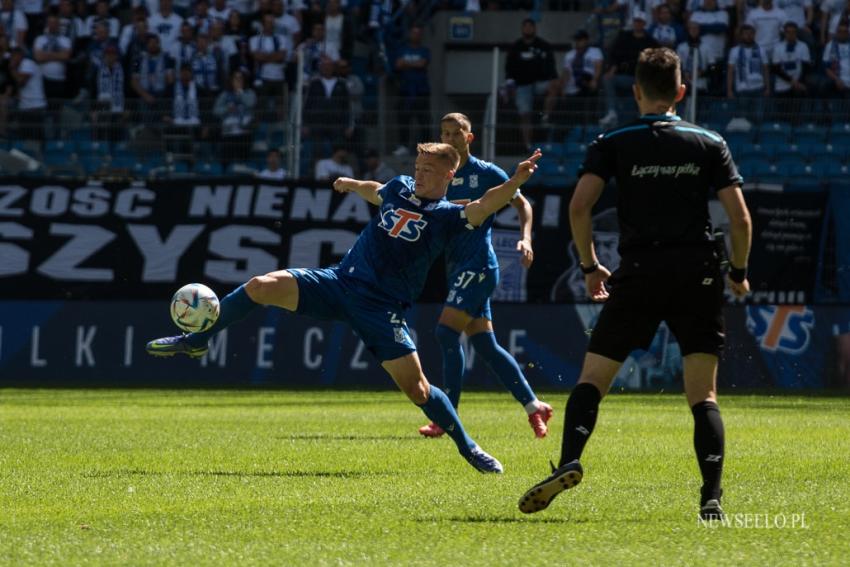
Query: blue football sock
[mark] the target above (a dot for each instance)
(234, 307)
(453, 362)
(439, 410)
(503, 365)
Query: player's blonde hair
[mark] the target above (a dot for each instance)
(461, 120)
(445, 152)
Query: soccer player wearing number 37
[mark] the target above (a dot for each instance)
(666, 172)
(379, 278)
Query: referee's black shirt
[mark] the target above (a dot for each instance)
(666, 171)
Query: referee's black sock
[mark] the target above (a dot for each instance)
(579, 421)
(708, 442)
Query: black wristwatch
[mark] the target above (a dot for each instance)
(737, 275)
(588, 269)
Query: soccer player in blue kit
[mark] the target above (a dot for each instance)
(379, 278)
(472, 270)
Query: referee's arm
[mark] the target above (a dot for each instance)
(587, 192)
(741, 231)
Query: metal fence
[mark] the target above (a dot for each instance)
(85, 138)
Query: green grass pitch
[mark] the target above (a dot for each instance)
(339, 478)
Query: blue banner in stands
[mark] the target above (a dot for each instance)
(67, 343)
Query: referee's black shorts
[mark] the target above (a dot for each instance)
(689, 299)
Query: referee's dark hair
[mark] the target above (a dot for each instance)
(658, 73)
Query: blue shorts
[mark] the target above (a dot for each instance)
(327, 293)
(470, 291)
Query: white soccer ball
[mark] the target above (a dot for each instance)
(194, 308)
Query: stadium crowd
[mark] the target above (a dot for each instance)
(186, 72)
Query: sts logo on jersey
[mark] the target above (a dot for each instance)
(404, 224)
(781, 328)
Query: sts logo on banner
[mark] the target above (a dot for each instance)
(781, 328)
(404, 224)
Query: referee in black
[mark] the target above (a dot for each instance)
(666, 171)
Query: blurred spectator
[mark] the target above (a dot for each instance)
(186, 108)
(620, 76)
(108, 111)
(166, 24)
(713, 29)
(315, 48)
(34, 11)
(831, 13)
(269, 51)
(411, 66)
(608, 16)
(153, 75)
(327, 109)
(767, 20)
(220, 11)
(244, 7)
(791, 62)
(377, 170)
(802, 13)
(53, 51)
(356, 88)
(334, 166)
(691, 51)
(286, 24)
(339, 30)
(7, 84)
(748, 76)
(580, 73)
(101, 15)
(94, 53)
(235, 29)
(221, 47)
(242, 61)
(134, 37)
(31, 100)
(529, 71)
(184, 49)
(235, 108)
(274, 170)
(665, 31)
(201, 21)
(208, 67)
(836, 59)
(70, 25)
(14, 22)
(184, 120)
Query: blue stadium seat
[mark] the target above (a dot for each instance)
(774, 137)
(575, 134)
(550, 149)
(61, 146)
(839, 135)
(748, 166)
(833, 168)
(753, 151)
(208, 168)
(575, 149)
(800, 169)
(809, 134)
(739, 139)
(790, 152)
(92, 147)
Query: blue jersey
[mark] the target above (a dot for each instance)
(473, 250)
(396, 249)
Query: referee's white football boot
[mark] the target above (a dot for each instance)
(484, 462)
(169, 346)
(541, 494)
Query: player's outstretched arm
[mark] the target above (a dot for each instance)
(366, 189)
(499, 196)
(587, 192)
(526, 216)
